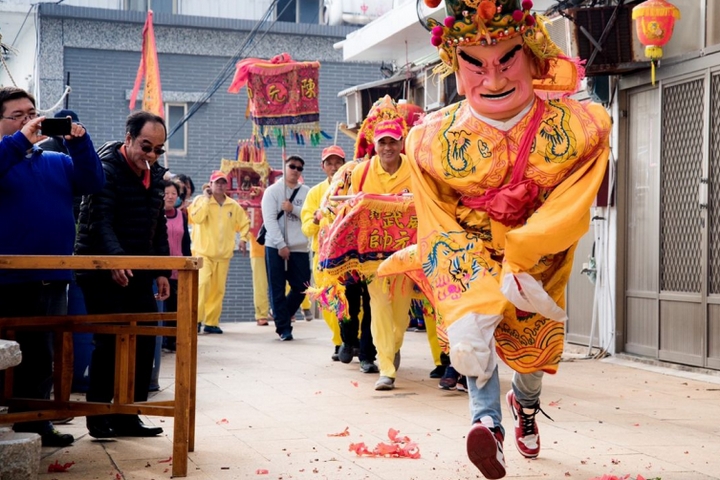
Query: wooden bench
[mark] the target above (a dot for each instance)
(126, 329)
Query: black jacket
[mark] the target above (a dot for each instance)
(125, 218)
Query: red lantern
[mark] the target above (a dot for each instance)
(655, 20)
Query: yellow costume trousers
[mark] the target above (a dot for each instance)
(431, 329)
(390, 319)
(260, 288)
(327, 314)
(211, 286)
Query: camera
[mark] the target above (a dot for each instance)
(55, 127)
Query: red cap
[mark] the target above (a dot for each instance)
(217, 175)
(388, 128)
(332, 150)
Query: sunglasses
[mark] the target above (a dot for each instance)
(295, 167)
(148, 149)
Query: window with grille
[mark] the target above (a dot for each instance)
(174, 112)
(157, 6)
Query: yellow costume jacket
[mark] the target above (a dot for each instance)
(214, 227)
(462, 257)
(312, 203)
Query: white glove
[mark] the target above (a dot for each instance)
(530, 296)
(472, 346)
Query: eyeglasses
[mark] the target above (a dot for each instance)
(29, 116)
(148, 149)
(295, 167)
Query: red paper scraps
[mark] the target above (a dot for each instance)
(401, 447)
(222, 421)
(354, 384)
(615, 477)
(555, 403)
(261, 471)
(165, 461)
(344, 433)
(59, 468)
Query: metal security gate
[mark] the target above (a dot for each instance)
(672, 268)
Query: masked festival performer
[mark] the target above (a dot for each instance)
(503, 185)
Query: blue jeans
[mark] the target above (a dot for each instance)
(485, 401)
(297, 275)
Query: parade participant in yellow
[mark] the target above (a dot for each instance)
(331, 160)
(388, 172)
(216, 218)
(261, 298)
(503, 185)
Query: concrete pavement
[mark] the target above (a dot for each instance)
(266, 405)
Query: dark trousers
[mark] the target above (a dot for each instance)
(103, 296)
(357, 294)
(32, 378)
(297, 275)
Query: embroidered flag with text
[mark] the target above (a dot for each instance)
(150, 70)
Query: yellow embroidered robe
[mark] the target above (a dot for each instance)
(462, 255)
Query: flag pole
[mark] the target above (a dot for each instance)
(284, 170)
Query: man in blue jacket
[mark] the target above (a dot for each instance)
(36, 204)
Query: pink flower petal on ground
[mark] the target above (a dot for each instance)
(344, 433)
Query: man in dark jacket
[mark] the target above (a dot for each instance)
(36, 198)
(125, 218)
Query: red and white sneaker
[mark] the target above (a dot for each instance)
(485, 448)
(527, 437)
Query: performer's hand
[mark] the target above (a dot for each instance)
(317, 216)
(287, 206)
(163, 288)
(121, 276)
(284, 253)
(243, 247)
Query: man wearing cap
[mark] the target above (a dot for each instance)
(286, 246)
(332, 158)
(36, 199)
(215, 218)
(387, 172)
(503, 184)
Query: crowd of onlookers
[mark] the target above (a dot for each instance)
(62, 196)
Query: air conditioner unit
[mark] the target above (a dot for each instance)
(434, 89)
(353, 103)
(560, 31)
(620, 51)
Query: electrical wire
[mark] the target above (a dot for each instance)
(227, 69)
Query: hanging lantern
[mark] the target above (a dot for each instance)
(655, 20)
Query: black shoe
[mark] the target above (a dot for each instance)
(199, 327)
(345, 354)
(286, 337)
(335, 357)
(99, 427)
(438, 372)
(131, 426)
(53, 438)
(367, 366)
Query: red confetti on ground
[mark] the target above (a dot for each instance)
(344, 433)
(615, 477)
(223, 421)
(261, 471)
(118, 476)
(636, 425)
(166, 470)
(318, 392)
(354, 384)
(401, 447)
(165, 461)
(59, 468)
(555, 403)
